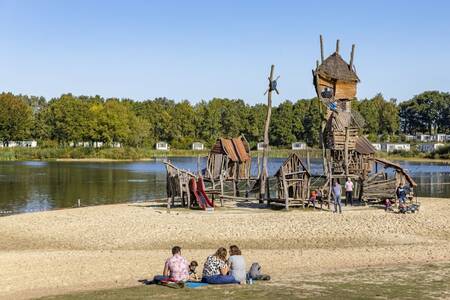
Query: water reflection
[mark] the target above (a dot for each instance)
(35, 185)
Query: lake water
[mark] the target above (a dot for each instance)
(38, 185)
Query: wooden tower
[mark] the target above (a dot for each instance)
(347, 153)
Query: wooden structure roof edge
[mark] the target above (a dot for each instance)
(398, 168)
(364, 146)
(236, 149)
(288, 158)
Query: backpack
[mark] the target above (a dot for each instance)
(255, 270)
(255, 273)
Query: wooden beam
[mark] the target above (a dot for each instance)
(351, 56)
(321, 48)
(337, 46)
(346, 151)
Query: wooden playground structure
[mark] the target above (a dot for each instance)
(346, 153)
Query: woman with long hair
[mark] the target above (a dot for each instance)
(215, 269)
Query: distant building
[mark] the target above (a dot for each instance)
(162, 146)
(298, 146)
(423, 138)
(24, 144)
(409, 138)
(260, 146)
(377, 146)
(447, 138)
(197, 146)
(391, 147)
(429, 147)
(116, 145)
(440, 138)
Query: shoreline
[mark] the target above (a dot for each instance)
(156, 155)
(112, 246)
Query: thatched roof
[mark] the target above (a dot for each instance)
(335, 67)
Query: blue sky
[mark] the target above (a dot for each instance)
(203, 49)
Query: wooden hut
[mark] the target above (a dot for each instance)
(177, 185)
(293, 183)
(229, 160)
(383, 184)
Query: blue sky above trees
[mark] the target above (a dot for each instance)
(203, 49)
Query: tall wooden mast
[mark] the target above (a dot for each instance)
(264, 191)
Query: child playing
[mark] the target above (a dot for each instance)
(387, 205)
(312, 199)
(192, 273)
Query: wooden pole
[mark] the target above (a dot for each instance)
(198, 164)
(264, 194)
(351, 56)
(285, 190)
(321, 48)
(337, 46)
(346, 151)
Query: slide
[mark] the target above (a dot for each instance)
(202, 191)
(198, 190)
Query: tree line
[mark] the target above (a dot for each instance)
(69, 119)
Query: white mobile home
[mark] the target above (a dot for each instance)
(377, 146)
(423, 138)
(25, 144)
(440, 138)
(409, 138)
(391, 147)
(429, 147)
(197, 146)
(298, 146)
(260, 146)
(162, 146)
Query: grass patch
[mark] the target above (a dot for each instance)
(430, 281)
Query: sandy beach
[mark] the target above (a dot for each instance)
(112, 246)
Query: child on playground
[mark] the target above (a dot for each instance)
(312, 198)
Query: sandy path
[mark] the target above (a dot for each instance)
(115, 245)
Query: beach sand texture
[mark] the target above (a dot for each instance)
(114, 246)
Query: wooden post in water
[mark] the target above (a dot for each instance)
(263, 193)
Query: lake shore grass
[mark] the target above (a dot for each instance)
(98, 251)
(142, 154)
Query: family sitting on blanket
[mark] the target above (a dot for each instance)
(217, 268)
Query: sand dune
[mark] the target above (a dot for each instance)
(115, 245)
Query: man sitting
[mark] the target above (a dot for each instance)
(176, 268)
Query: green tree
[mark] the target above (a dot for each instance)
(16, 118)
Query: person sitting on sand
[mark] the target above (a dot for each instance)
(176, 267)
(236, 262)
(215, 269)
(192, 272)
